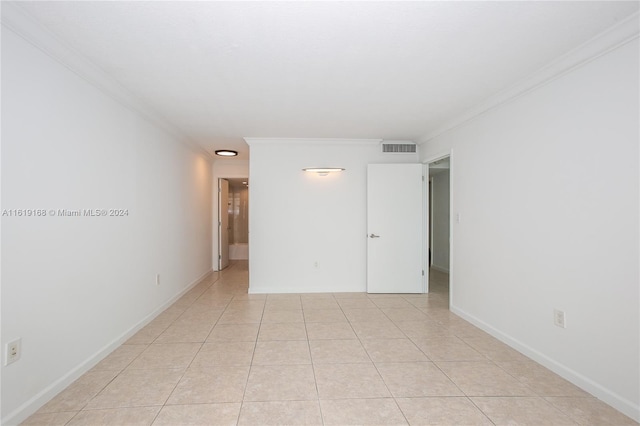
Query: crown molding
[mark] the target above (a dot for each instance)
(17, 20)
(310, 141)
(618, 35)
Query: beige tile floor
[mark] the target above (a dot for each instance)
(221, 356)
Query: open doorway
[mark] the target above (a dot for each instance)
(233, 223)
(439, 225)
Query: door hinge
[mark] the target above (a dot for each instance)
(219, 257)
(423, 272)
(423, 178)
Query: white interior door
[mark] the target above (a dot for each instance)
(223, 224)
(395, 229)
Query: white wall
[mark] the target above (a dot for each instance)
(555, 224)
(298, 218)
(440, 212)
(224, 169)
(75, 287)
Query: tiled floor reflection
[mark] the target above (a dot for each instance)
(221, 356)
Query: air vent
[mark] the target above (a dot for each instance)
(399, 148)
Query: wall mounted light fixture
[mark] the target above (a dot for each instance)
(323, 171)
(226, 153)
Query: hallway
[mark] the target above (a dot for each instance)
(222, 356)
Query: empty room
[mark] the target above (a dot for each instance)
(334, 213)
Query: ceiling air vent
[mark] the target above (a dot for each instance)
(402, 148)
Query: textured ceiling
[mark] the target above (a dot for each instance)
(220, 71)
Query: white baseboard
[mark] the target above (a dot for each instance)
(628, 408)
(276, 290)
(35, 403)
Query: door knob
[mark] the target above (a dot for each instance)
(374, 236)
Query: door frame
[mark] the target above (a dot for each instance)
(432, 159)
(215, 218)
(429, 218)
(222, 211)
(426, 205)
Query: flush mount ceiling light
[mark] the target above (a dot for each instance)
(226, 153)
(323, 171)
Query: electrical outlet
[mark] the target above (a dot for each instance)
(559, 318)
(315, 264)
(13, 351)
(157, 279)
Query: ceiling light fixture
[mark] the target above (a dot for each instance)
(226, 153)
(323, 171)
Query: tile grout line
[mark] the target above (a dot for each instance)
(228, 292)
(255, 346)
(164, 404)
(313, 368)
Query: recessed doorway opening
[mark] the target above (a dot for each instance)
(233, 223)
(440, 224)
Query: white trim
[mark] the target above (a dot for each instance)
(16, 19)
(36, 402)
(436, 157)
(426, 218)
(311, 141)
(296, 290)
(428, 160)
(623, 405)
(215, 216)
(451, 224)
(218, 224)
(612, 38)
(430, 220)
